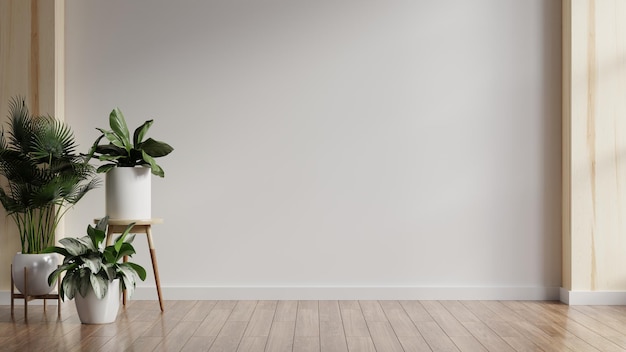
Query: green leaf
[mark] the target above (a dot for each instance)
(60, 250)
(111, 271)
(129, 238)
(96, 235)
(93, 148)
(120, 240)
(53, 277)
(110, 255)
(102, 224)
(73, 246)
(111, 150)
(42, 176)
(156, 169)
(140, 133)
(88, 243)
(128, 277)
(128, 284)
(114, 158)
(156, 149)
(83, 281)
(141, 272)
(119, 127)
(114, 139)
(126, 250)
(94, 263)
(104, 168)
(100, 285)
(69, 284)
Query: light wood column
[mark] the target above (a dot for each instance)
(594, 145)
(31, 65)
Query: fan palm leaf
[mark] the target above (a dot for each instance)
(37, 158)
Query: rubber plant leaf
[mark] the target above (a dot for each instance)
(119, 127)
(156, 169)
(156, 149)
(113, 138)
(140, 133)
(105, 168)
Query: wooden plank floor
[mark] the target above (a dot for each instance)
(383, 326)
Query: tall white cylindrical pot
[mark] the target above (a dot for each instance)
(39, 267)
(128, 193)
(92, 310)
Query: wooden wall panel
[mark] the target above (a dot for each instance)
(29, 45)
(594, 145)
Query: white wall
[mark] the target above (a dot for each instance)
(335, 144)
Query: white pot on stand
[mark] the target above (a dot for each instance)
(39, 267)
(92, 310)
(128, 193)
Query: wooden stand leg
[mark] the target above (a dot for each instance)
(156, 277)
(59, 297)
(109, 236)
(124, 291)
(155, 267)
(119, 227)
(26, 297)
(12, 292)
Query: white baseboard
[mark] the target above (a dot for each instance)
(369, 293)
(336, 293)
(349, 293)
(593, 298)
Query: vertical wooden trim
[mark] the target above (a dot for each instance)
(59, 79)
(32, 58)
(566, 253)
(33, 83)
(591, 130)
(59, 59)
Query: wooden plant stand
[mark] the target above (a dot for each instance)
(28, 298)
(141, 226)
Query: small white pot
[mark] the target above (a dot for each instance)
(92, 310)
(128, 193)
(39, 267)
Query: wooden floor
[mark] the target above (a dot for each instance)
(383, 326)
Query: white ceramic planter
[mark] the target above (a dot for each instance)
(128, 193)
(92, 310)
(39, 267)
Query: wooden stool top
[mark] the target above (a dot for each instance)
(126, 222)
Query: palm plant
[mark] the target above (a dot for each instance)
(44, 175)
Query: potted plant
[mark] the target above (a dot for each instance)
(128, 164)
(44, 178)
(94, 273)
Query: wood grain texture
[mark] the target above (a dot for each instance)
(594, 145)
(29, 63)
(325, 326)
